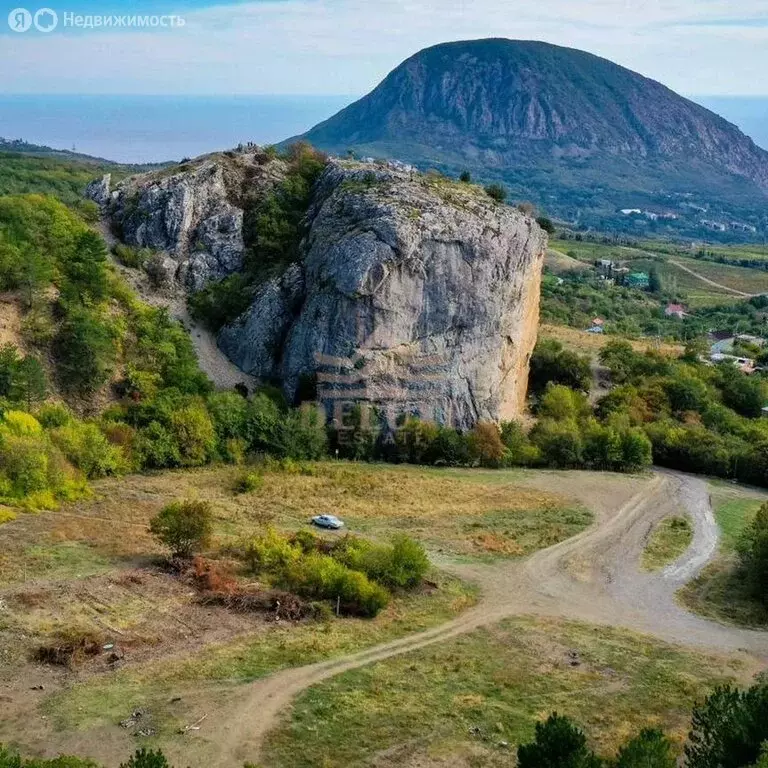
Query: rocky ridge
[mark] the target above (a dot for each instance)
(191, 213)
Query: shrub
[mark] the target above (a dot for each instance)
(307, 541)
(496, 192)
(466, 177)
(271, 552)
(24, 465)
(183, 526)
(52, 415)
(403, 563)
(20, 424)
(86, 446)
(249, 482)
(193, 433)
(156, 447)
(321, 577)
(135, 258)
(9, 759)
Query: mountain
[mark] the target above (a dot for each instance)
(575, 133)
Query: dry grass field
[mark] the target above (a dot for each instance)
(91, 578)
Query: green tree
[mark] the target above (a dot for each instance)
(35, 272)
(558, 744)
(636, 450)
(654, 280)
(559, 442)
(650, 749)
(753, 550)
(29, 384)
(183, 526)
(550, 363)
(729, 729)
(466, 177)
(84, 350)
(85, 269)
(546, 224)
(413, 439)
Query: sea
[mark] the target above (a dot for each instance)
(151, 129)
(148, 129)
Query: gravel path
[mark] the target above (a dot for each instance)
(213, 362)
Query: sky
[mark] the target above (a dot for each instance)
(712, 47)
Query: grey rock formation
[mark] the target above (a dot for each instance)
(99, 190)
(415, 295)
(193, 212)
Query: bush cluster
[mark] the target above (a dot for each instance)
(699, 418)
(355, 572)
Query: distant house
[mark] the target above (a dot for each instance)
(631, 211)
(638, 280)
(598, 321)
(596, 329)
(675, 310)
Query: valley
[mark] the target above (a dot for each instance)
(325, 460)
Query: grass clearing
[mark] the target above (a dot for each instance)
(669, 540)
(106, 699)
(720, 592)
(470, 701)
(590, 344)
(463, 513)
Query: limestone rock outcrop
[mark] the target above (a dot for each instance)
(192, 213)
(415, 295)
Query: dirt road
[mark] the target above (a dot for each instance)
(592, 577)
(706, 280)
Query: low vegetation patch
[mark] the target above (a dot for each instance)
(669, 540)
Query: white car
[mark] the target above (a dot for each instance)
(328, 521)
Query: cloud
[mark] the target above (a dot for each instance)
(347, 46)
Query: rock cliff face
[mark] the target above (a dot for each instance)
(192, 213)
(415, 295)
